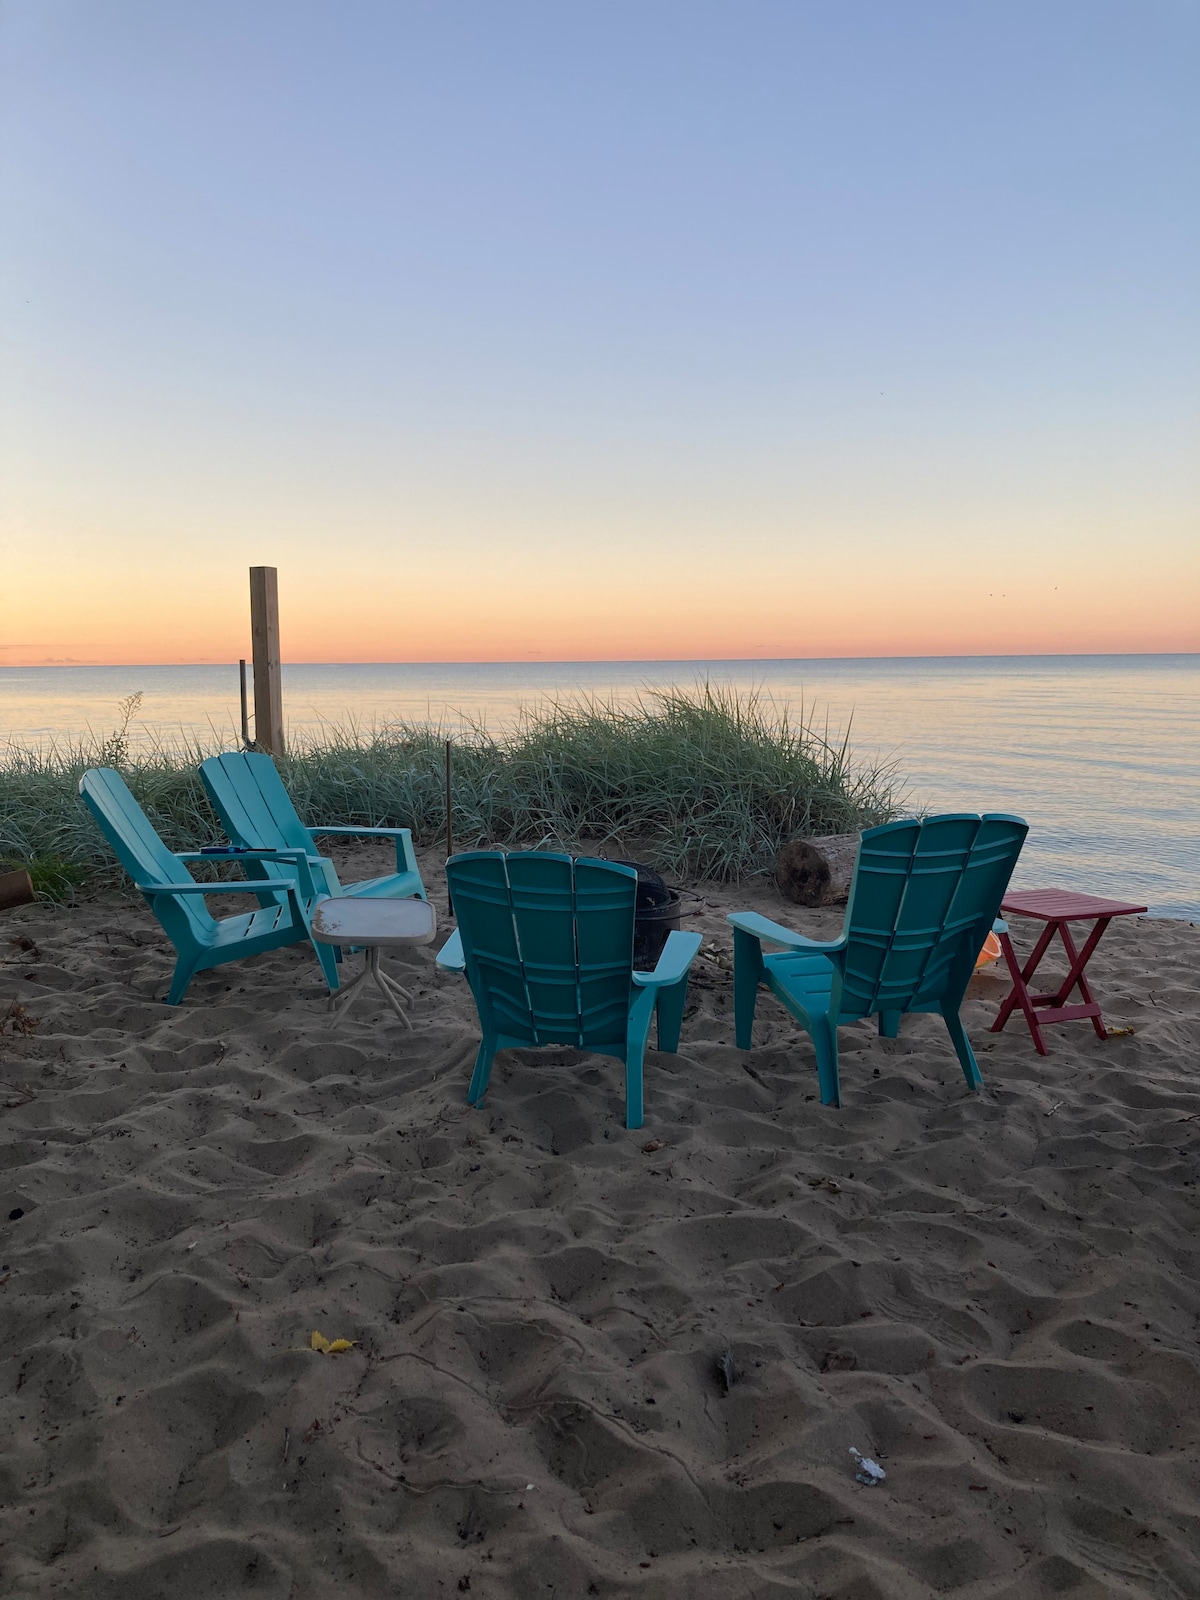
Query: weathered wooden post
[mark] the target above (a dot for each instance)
(264, 637)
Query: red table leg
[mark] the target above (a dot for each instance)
(1019, 994)
(1090, 1007)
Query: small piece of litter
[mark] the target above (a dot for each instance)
(726, 1370)
(869, 1472)
(330, 1347)
(528, 1487)
(1119, 1033)
(653, 1145)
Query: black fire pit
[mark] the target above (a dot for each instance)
(656, 915)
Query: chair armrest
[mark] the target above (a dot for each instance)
(775, 933)
(243, 886)
(673, 964)
(450, 957)
(298, 860)
(384, 833)
(406, 860)
(238, 852)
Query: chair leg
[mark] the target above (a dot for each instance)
(635, 1114)
(889, 1024)
(824, 1038)
(962, 1048)
(185, 971)
(637, 1032)
(669, 1009)
(483, 1071)
(747, 974)
(328, 958)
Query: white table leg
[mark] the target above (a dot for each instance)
(391, 991)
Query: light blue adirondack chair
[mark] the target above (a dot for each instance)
(256, 810)
(547, 945)
(924, 897)
(177, 900)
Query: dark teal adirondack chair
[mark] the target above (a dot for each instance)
(177, 900)
(924, 897)
(256, 810)
(547, 943)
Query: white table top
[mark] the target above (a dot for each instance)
(365, 922)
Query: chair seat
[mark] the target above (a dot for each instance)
(806, 974)
(251, 925)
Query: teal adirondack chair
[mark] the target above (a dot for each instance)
(256, 810)
(547, 944)
(177, 900)
(924, 897)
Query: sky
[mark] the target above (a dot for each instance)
(628, 329)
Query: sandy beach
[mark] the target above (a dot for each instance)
(996, 1296)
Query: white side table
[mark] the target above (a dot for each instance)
(374, 925)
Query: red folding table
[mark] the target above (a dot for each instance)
(1056, 908)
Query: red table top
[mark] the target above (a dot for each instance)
(1060, 905)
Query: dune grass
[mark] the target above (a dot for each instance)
(705, 783)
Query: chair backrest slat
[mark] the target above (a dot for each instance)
(548, 943)
(924, 896)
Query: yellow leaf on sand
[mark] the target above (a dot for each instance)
(330, 1347)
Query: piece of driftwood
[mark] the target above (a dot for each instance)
(817, 872)
(16, 889)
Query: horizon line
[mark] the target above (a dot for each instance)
(623, 661)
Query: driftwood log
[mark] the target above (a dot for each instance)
(16, 889)
(817, 872)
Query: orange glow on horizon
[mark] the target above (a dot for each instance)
(692, 596)
(216, 628)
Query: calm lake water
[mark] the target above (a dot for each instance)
(1100, 753)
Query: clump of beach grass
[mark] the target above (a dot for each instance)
(705, 783)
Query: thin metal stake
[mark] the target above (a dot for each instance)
(245, 707)
(449, 829)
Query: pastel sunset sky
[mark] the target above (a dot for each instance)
(617, 329)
